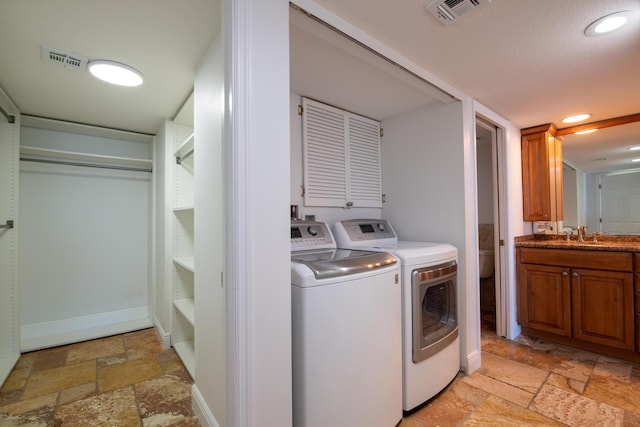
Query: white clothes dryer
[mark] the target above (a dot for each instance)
(346, 332)
(430, 343)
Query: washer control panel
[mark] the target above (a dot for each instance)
(307, 235)
(366, 232)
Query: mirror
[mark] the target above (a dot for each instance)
(600, 179)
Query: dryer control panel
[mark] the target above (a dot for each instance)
(306, 235)
(351, 233)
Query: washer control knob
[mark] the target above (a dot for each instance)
(313, 230)
(381, 226)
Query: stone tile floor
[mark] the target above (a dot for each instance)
(125, 380)
(128, 380)
(531, 382)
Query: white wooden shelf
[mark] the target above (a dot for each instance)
(185, 209)
(185, 149)
(186, 351)
(185, 262)
(186, 307)
(71, 156)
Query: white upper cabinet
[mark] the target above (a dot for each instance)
(341, 154)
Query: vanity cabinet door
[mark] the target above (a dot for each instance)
(544, 298)
(603, 311)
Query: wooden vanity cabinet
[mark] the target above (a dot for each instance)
(541, 174)
(586, 296)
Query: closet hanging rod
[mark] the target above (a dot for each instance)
(89, 165)
(10, 117)
(180, 159)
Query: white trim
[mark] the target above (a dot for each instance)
(66, 331)
(474, 361)
(163, 336)
(469, 308)
(511, 211)
(201, 409)
(238, 202)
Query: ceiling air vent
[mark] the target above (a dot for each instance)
(62, 58)
(448, 11)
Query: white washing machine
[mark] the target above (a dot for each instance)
(346, 332)
(430, 343)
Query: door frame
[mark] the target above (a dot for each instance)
(504, 195)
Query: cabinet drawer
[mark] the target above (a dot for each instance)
(597, 260)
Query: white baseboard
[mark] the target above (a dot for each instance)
(66, 331)
(164, 336)
(201, 409)
(474, 362)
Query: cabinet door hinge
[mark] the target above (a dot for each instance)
(222, 279)
(300, 110)
(381, 132)
(302, 190)
(384, 198)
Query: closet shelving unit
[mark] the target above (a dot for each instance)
(183, 312)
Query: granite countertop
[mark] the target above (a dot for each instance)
(604, 243)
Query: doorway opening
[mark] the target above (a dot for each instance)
(491, 226)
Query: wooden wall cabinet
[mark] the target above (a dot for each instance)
(586, 296)
(541, 174)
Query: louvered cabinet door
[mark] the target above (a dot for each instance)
(365, 170)
(341, 156)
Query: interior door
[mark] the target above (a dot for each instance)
(9, 164)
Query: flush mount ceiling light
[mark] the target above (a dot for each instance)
(608, 23)
(115, 73)
(576, 118)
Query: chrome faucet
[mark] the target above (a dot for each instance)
(582, 231)
(596, 234)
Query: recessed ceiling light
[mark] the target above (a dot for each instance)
(608, 23)
(634, 148)
(582, 132)
(576, 118)
(115, 73)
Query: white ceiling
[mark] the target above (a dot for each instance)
(164, 39)
(529, 61)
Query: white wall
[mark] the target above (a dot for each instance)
(485, 183)
(570, 196)
(423, 163)
(84, 255)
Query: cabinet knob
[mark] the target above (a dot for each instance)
(574, 274)
(564, 273)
